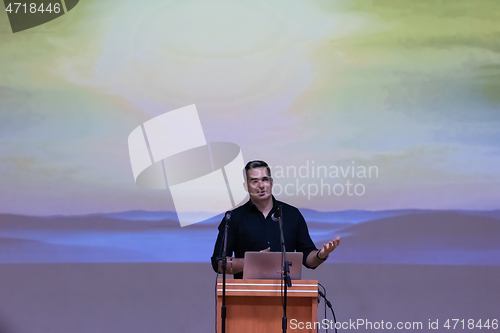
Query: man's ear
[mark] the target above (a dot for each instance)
(245, 186)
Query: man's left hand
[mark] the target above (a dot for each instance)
(329, 247)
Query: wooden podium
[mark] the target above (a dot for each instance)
(254, 306)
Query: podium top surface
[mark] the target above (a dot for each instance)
(253, 287)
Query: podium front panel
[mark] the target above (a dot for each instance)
(254, 306)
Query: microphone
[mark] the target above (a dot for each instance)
(227, 218)
(277, 214)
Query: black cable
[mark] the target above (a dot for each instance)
(327, 302)
(324, 303)
(325, 317)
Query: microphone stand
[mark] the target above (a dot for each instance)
(227, 217)
(286, 269)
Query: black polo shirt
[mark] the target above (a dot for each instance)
(249, 230)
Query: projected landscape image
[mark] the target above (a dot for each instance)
(379, 119)
(387, 237)
(411, 88)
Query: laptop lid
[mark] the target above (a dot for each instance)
(267, 265)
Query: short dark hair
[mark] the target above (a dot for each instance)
(254, 165)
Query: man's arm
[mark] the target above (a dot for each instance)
(316, 258)
(234, 265)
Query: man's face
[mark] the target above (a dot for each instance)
(259, 184)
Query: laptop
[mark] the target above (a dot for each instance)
(267, 265)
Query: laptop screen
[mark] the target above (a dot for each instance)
(267, 265)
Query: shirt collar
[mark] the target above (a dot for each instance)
(251, 205)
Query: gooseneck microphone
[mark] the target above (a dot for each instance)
(227, 218)
(277, 214)
(285, 266)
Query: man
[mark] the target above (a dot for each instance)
(252, 228)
